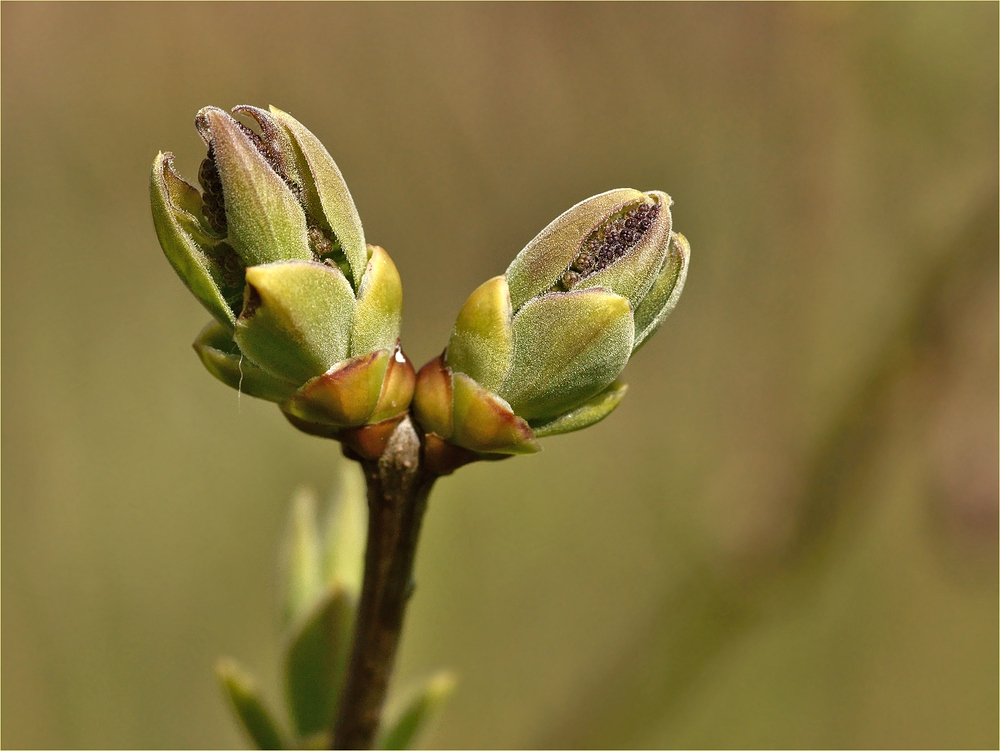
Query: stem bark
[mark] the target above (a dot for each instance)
(398, 486)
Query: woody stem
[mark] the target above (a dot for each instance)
(398, 487)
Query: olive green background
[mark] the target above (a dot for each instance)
(785, 536)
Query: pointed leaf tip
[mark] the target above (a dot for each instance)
(379, 310)
(176, 209)
(326, 193)
(666, 291)
(482, 342)
(302, 557)
(245, 698)
(590, 412)
(265, 221)
(418, 712)
(346, 531)
(296, 319)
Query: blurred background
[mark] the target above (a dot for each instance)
(785, 536)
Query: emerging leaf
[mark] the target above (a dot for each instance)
(245, 698)
(316, 662)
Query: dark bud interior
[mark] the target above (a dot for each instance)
(213, 201)
(609, 242)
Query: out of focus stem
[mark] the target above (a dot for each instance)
(398, 486)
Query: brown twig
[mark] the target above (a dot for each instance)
(398, 486)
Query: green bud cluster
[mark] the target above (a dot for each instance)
(538, 351)
(307, 315)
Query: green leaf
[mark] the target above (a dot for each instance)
(379, 312)
(223, 359)
(416, 714)
(482, 343)
(325, 186)
(549, 254)
(316, 662)
(265, 221)
(296, 321)
(346, 533)
(302, 558)
(245, 698)
(176, 207)
(567, 348)
(591, 411)
(666, 291)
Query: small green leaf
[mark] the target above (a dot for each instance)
(176, 207)
(416, 714)
(296, 321)
(666, 291)
(346, 532)
(379, 312)
(265, 221)
(245, 698)
(223, 359)
(325, 189)
(316, 662)
(567, 348)
(591, 411)
(482, 343)
(302, 558)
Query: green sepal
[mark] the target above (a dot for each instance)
(417, 712)
(296, 318)
(265, 221)
(633, 274)
(346, 532)
(249, 706)
(316, 662)
(485, 423)
(567, 348)
(591, 411)
(176, 209)
(482, 343)
(379, 310)
(326, 193)
(302, 558)
(549, 254)
(223, 359)
(666, 291)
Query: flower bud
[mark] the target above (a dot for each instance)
(538, 351)
(306, 313)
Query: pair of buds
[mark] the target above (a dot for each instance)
(307, 315)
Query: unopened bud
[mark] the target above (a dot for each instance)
(537, 351)
(307, 314)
